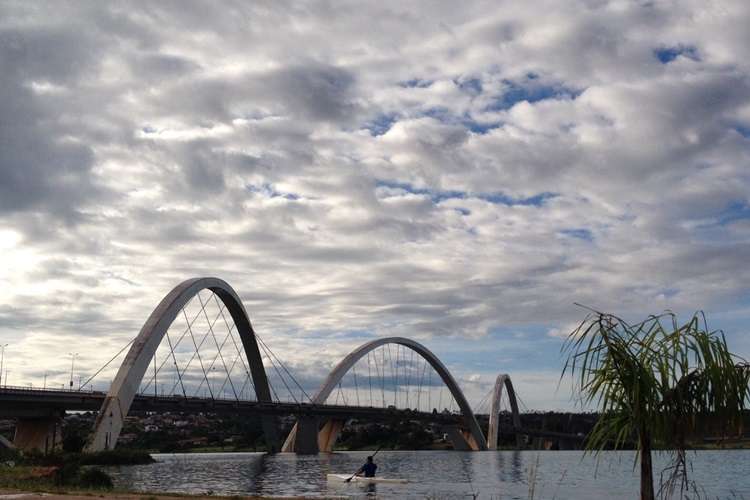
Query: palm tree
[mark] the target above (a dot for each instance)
(656, 386)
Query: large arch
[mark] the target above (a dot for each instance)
(348, 362)
(116, 405)
(502, 380)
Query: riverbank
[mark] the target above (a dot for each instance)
(30, 482)
(15, 494)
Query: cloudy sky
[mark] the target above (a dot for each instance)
(461, 173)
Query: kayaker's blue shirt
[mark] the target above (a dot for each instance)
(369, 469)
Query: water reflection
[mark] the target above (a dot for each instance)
(438, 474)
(516, 475)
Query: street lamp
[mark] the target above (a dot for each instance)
(72, 363)
(2, 362)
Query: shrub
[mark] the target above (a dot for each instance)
(67, 473)
(95, 478)
(73, 443)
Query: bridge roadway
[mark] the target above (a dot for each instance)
(19, 402)
(28, 403)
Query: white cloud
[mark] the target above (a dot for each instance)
(435, 170)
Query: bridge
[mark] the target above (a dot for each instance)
(199, 346)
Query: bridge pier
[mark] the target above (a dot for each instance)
(461, 440)
(328, 434)
(309, 438)
(41, 434)
(305, 439)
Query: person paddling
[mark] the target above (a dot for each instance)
(368, 469)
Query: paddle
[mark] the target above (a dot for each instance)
(373, 455)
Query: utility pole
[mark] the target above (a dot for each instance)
(72, 363)
(2, 362)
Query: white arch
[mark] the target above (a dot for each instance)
(116, 405)
(349, 361)
(503, 380)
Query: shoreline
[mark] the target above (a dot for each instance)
(52, 494)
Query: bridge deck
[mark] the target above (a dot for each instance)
(17, 402)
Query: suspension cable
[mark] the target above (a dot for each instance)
(408, 377)
(429, 390)
(236, 348)
(390, 360)
(106, 364)
(299, 386)
(419, 390)
(478, 407)
(356, 386)
(179, 340)
(382, 380)
(369, 376)
(343, 394)
(176, 367)
(218, 348)
(193, 355)
(395, 383)
(205, 376)
(283, 381)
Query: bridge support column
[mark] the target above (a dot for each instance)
(328, 434)
(41, 434)
(458, 438)
(271, 433)
(473, 445)
(306, 437)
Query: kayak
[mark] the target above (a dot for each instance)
(341, 478)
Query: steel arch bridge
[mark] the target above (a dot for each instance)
(306, 436)
(502, 381)
(117, 403)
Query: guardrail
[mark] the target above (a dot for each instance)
(26, 388)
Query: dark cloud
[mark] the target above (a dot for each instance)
(314, 91)
(43, 165)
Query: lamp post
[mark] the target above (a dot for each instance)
(72, 363)
(2, 362)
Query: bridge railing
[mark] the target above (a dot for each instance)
(27, 388)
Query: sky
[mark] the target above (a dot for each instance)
(459, 173)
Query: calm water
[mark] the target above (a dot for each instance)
(434, 474)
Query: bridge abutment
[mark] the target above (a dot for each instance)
(329, 433)
(460, 439)
(42, 434)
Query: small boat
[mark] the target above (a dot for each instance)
(341, 478)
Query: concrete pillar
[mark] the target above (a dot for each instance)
(469, 438)
(328, 434)
(306, 438)
(271, 433)
(457, 438)
(41, 434)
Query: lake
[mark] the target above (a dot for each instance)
(433, 474)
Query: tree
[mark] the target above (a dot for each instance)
(656, 387)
